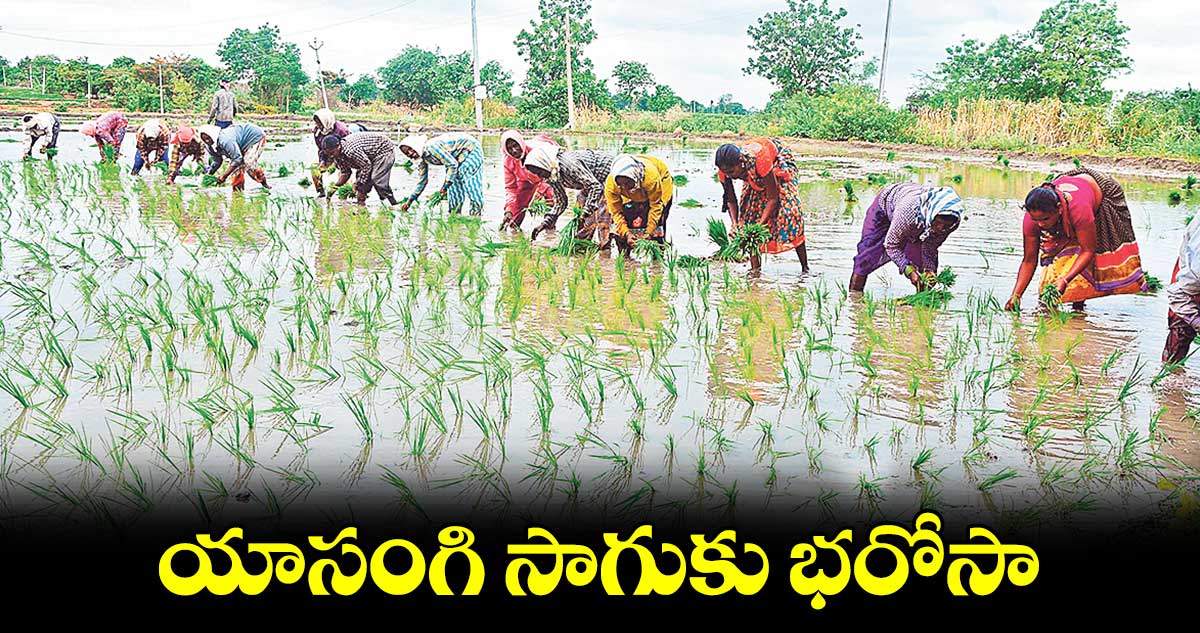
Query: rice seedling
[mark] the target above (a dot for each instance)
(848, 187)
(691, 203)
(992, 481)
(359, 412)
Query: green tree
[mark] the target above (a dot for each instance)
(543, 47)
(361, 91)
(803, 49)
(633, 80)
(663, 99)
(1081, 45)
(415, 77)
(272, 66)
(1075, 47)
(499, 82)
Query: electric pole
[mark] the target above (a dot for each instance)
(570, 79)
(887, 34)
(162, 108)
(479, 89)
(316, 46)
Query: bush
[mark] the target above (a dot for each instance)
(850, 113)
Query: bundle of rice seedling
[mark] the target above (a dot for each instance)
(688, 261)
(538, 207)
(931, 298)
(305, 182)
(1051, 297)
(719, 235)
(649, 249)
(946, 277)
(283, 171)
(345, 191)
(209, 180)
(750, 239)
(436, 198)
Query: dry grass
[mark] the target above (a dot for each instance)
(1004, 123)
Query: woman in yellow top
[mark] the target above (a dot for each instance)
(638, 194)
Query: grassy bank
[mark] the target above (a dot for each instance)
(1145, 126)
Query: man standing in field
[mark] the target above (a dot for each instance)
(224, 106)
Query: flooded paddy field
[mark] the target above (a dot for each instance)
(264, 356)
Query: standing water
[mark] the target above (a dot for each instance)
(162, 344)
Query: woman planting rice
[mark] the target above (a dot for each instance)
(583, 170)
(461, 155)
(325, 124)
(370, 156)
(638, 194)
(770, 195)
(520, 185)
(109, 131)
(187, 145)
(1183, 316)
(42, 125)
(243, 145)
(1080, 223)
(906, 224)
(153, 140)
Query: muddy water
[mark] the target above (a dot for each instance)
(517, 380)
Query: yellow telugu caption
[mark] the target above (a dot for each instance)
(711, 563)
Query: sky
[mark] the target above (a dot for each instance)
(698, 48)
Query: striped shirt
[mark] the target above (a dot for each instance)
(584, 170)
(447, 150)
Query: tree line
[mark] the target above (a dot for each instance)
(808, 51)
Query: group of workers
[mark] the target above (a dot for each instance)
(237, 146)
(1077, 226)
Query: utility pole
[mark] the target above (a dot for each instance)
(162, 108)
(43, 80)
(479, 89)
(887, 34)
(570, 79)
(89, 89)
(316, 46)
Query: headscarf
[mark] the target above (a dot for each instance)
(88, 129)
(183, 135)
(937, 201)
(630, 167)
(152, 128)
(324, 119)
(213, 132)
(544, 157)
(728, 155)
(27, 121)
(513, 135)
(415, 142)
